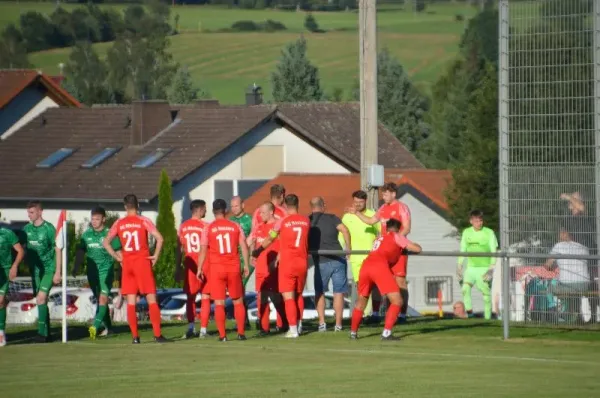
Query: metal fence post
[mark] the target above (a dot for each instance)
(505, 297)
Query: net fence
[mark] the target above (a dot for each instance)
(549, 156)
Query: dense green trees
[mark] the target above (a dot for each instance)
(165, 223)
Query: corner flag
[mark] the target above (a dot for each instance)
(61, 243)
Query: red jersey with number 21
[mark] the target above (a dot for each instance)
(293, 236)
(223, 238)
(396, 209)
(190, 237)
(388, 248)
(133, 233)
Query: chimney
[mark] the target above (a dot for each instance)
(206, 103)
(148, 119)
(254, 95)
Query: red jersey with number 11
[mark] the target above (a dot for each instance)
(388, 248)
(133, 233)
(223, 238)
(293, 236)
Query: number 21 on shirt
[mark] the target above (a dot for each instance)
(224, 243)
(132, 241)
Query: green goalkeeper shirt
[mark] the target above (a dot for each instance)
(91, 243)
(245, 222)
(41, 245)
(482, 241)
(7, 240)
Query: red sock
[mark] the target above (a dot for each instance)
(279, 321)
(376, 305)
(291, 312)
(239, 312)
(300, 304)
(357, 316)
(190, 308)
(155, 318)
(132, 320)
(204, 312)
(264, 311)
(391, 316)
(220, 319)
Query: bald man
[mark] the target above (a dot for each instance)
(323, 235)
(239, 216)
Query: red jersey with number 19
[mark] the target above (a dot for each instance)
(190, 237)
(223, 238)
(293, 236)
(133, 233)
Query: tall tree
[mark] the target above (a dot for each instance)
(295, 79)
(475, 176)
(165, 223)
(183, 90)
(13, 53)
(87, 75)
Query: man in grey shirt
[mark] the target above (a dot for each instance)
(323, 235)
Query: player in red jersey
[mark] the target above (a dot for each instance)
(277, 198)
(137, 262)
(188, 247)
(292, 231)
(266, 281)
(375, 270)
(220, 242)
(392, 208)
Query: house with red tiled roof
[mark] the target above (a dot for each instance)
(24, 94)
(423, 191)
(77, 158)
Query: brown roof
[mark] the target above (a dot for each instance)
(337, 189)
(196, 135)
(13, 81)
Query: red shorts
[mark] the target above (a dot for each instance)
(292, 275)
(138, 278)
(399, 269)
(222, 282)
(192, 285)
(267, 282)
(376, 273)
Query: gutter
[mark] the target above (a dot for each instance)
(70, 200)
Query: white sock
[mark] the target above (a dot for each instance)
(203, 330)
(386, 333)
(294, 329)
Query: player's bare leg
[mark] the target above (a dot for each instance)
(155, 317)
(132, 318)
(190, 313)
(401, 282)
(239, 312)
(391, 316)
(2, 320)
(357, 315)
(204, 314)
(291, 313)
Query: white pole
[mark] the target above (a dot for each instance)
(64, 282)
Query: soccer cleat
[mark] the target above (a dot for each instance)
(322, 328)
(160, 339)
(241, 337)
(136, 340)
(391, 337)
(93, 332)
(223, 339)
(190, 334)
(353, 336)
(291, 335)
(104, 333)
(263, 333)
(338, 328)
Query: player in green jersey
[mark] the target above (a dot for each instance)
(8, 271)
(480, 270)
(100, 267)
(239, 216)
(44, 259)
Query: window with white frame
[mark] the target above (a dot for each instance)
(226, 189)
(436, 285)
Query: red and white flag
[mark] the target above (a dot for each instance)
(60, 234)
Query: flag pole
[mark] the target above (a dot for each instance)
(64, 281)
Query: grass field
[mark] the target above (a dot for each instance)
(226, 63)
(434, 359)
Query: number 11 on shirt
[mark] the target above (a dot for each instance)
(224, 243)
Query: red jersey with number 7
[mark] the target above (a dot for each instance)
(293, 236)
(190, 238)
(133, 233)
(223, 237)
(388, 248)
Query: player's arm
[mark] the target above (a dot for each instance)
(403, 242)
(405, 219)
(203, 252)
(346, 234)
(463, 248)
(370, 220)
(79, 257)
(273, 234)
(245, 253)
(493, 244)
(14, 240)
(106, 243)
(158, 238)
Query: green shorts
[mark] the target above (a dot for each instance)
(41, 279)
(100, 281)
(4, 281)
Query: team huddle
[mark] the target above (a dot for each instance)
(219, 257)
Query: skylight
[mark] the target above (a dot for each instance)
(100, 157)
(55, 158)
(151, 158)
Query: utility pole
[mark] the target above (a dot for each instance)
(368, 95)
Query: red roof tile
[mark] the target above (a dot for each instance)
(13, 81)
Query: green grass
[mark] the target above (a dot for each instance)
(434, 359)
(226, 63)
